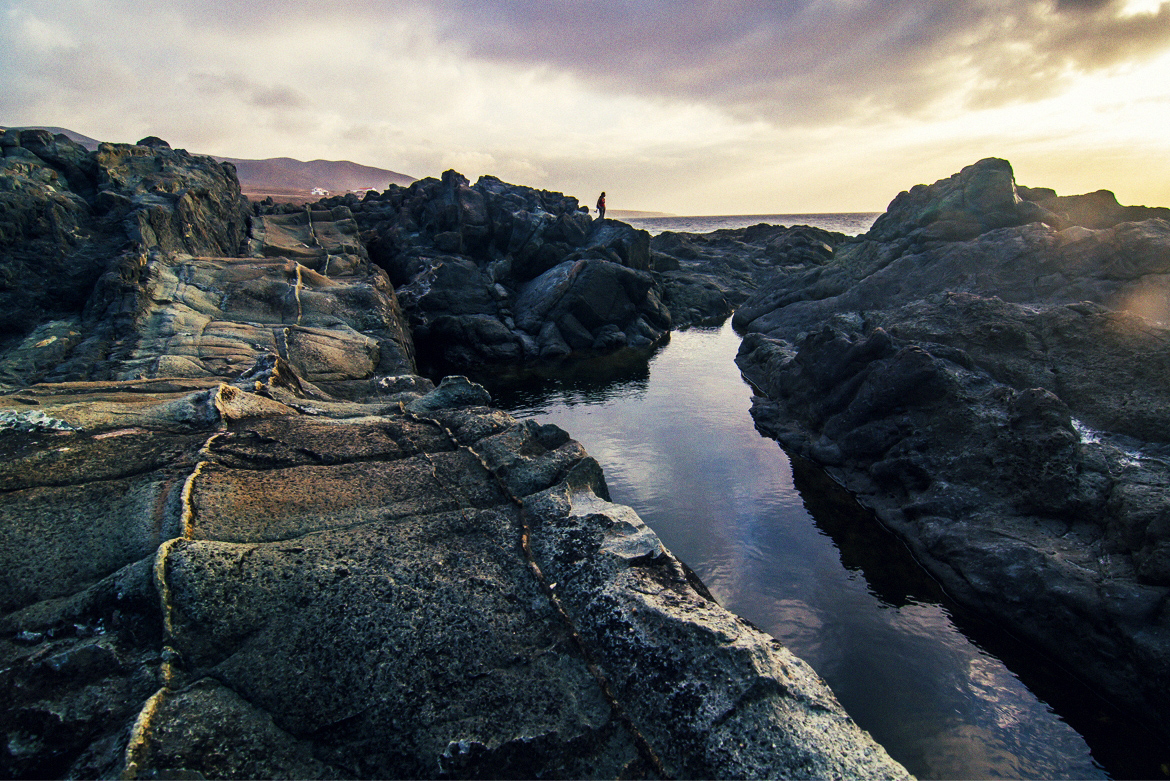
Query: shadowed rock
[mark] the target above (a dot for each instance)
(705, 276)
(465, 260)
(989, 378)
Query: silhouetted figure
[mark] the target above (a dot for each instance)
(601, 206)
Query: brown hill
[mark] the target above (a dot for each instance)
(294, 181)
(287, 180)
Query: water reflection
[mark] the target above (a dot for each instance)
(527, 390)
(865, 546)
(783, 546)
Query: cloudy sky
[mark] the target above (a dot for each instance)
(688, 107)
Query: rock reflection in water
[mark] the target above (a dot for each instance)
(784, 547)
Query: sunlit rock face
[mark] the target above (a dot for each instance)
(139, 261)
(463, 257)
(986, 369)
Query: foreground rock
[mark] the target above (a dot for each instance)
(254, 583)
(493, 273)
(986, 370)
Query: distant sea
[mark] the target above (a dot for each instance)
(849, 223)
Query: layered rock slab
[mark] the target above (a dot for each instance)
(139, 261)
(308, 294)
(403, 588)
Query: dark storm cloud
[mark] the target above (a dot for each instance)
(812, 60)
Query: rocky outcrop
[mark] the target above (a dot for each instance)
(481, 271)
(705, 276)
(139, 261)
(68, 215)
(987, 376)
(240, 537)
(251, 581)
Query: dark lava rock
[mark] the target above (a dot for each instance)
(465, 259)
(990, 379)
(704, 277)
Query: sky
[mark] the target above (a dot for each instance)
(690, 107)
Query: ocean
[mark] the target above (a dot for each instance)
(849, 223)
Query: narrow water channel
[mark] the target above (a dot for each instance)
(781, 545)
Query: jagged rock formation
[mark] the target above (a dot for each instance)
(494, 273)
(69, 213)
(705, 276)
(240, 538)
(144, 244)
(986, 370)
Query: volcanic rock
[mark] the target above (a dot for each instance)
(704, 277)
(989, 378)
(215, 582)
(240, 537)
(466, 259)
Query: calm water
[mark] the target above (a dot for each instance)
(783, 546)
(779, 544)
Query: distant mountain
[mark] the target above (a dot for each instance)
(89, 143)
(288, 180)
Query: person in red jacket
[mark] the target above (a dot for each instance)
(601, 206)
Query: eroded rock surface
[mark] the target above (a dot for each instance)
(219, 582)
(985, 369)
(139, 261)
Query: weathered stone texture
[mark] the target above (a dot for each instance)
(989, 378)
(363, 590)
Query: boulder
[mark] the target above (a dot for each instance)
(586, 298)
(979, 198)
(1096, 210)
(465, 259)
